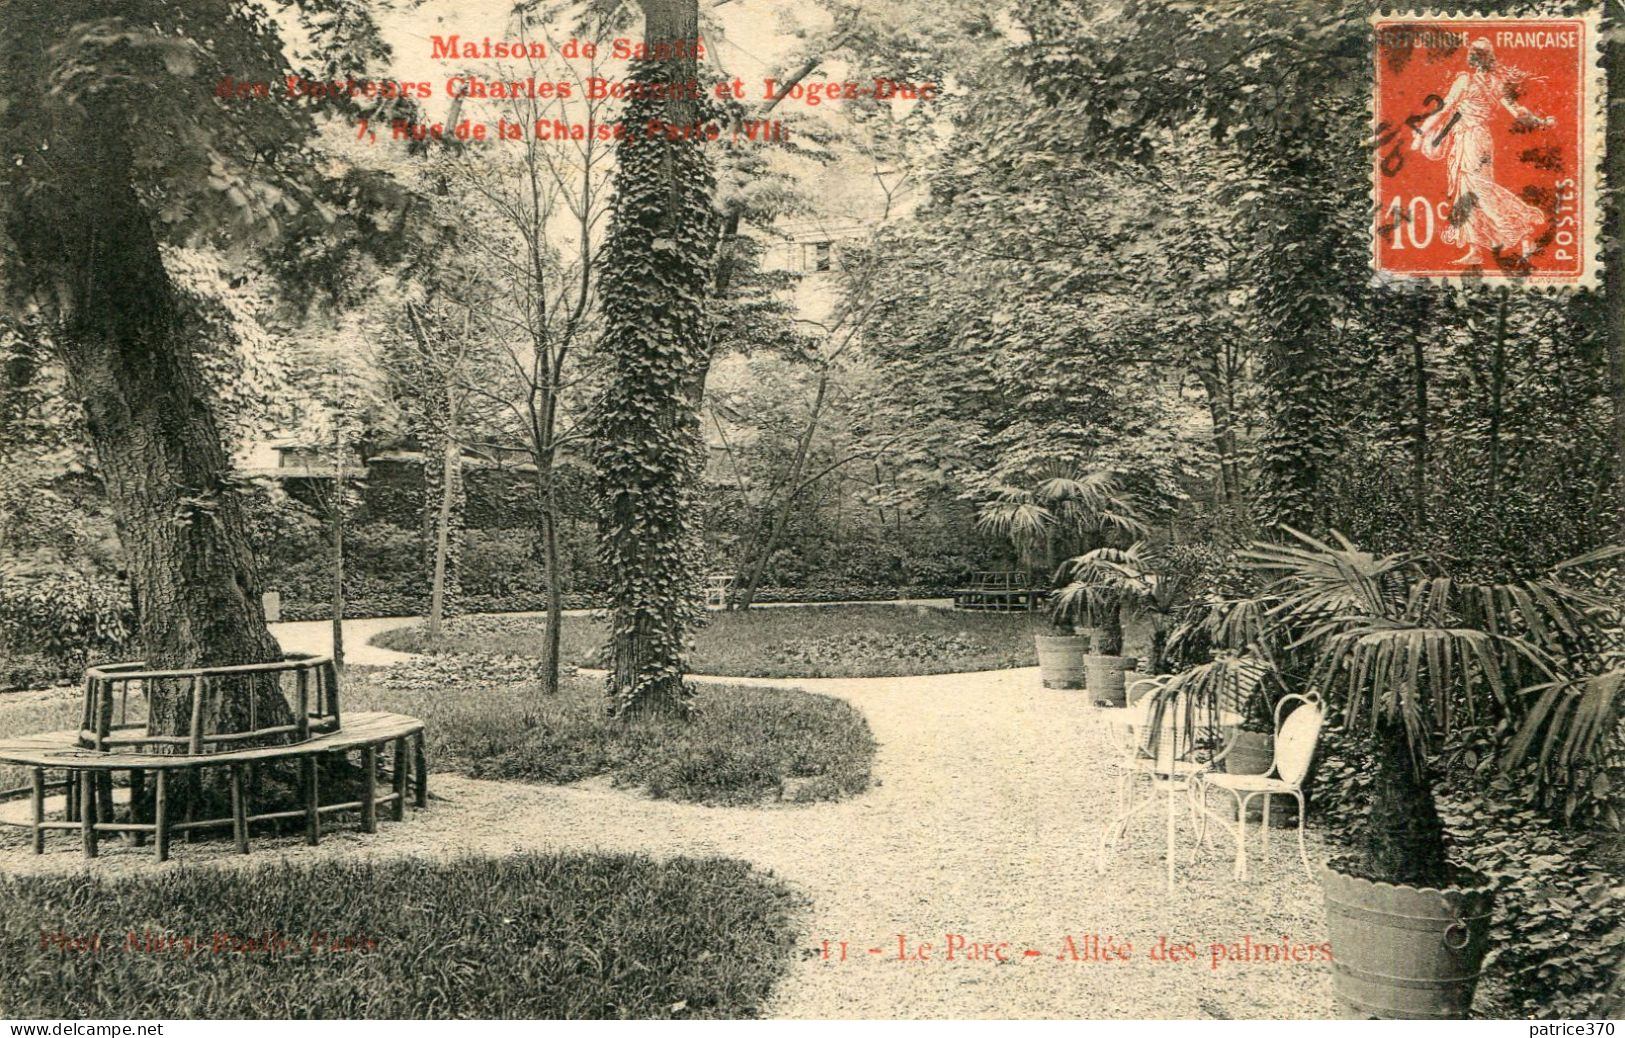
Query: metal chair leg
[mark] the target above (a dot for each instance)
(1264, 824)
(1302, 853)
(1243, 802)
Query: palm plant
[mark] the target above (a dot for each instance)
(1139, 577)
(1063, 507)
(1411, 653)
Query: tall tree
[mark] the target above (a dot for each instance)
(131, 150)
(656, 281)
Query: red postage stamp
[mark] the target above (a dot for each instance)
(1486, 138)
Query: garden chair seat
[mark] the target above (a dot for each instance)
(1296, 736)
(1248, 783)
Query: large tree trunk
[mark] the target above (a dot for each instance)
(655, 286)
(129, 350)
(1614, 263)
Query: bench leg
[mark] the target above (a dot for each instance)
(37, 779)
(239, 809)
(420, 770)
(401, 769)
(160, 814)
(313, 817)
(138, 792)
(104, 795)
(194, 790)
(70, 795)
(369, 789)
(87, 811)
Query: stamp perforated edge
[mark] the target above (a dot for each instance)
(1593, 84)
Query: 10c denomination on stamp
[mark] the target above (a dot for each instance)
(1486, 136)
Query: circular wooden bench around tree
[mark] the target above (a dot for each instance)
(90, 756)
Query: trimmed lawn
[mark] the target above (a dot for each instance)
(795, 642)
(551, 936)
(486, 718)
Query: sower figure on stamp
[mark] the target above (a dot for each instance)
(1483, 214)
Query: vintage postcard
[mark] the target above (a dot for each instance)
(791, 510)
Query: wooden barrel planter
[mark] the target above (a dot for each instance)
(113, 739)
(1060, 659)
(1403, 952)
(1106, 679)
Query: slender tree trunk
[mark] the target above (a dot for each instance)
(1614, 263)
(1224, 436)
(1498, 366)
(129, 352)
(553, 624)
(1419, 436)
(786, 508)
(336, 545)
(450, 480)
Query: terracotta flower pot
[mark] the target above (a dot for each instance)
(1405, 953)
(1060, 659)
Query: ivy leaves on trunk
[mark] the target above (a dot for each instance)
(648, 450)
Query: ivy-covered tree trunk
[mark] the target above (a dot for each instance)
(129, 348)
(649, 451)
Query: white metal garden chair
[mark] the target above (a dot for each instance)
(1176, 734)
(1295, 740)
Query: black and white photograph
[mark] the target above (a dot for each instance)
(606, 510)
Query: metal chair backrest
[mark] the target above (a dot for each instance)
(1297, 736)
(1182, 727)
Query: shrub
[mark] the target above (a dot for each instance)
(64, 617)
(31, 670)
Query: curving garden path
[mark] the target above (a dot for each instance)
(989, 793)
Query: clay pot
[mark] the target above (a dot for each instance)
(1105, 678)
(1252, 754)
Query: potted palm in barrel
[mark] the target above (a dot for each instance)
(1143, 580)
(1062, 510)
(1404, 652)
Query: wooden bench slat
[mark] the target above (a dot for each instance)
(61, 749)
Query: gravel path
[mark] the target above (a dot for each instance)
(991, 791)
